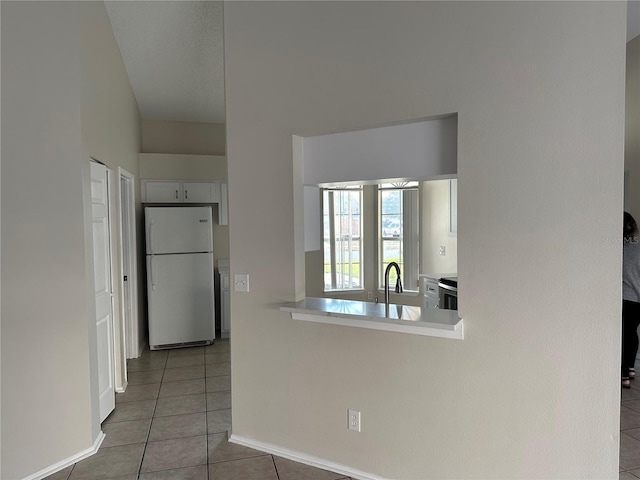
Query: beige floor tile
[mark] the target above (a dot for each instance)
(126, 433)
(218, 384)
(136, 393)
(629, 418)
(217, 369)
(175, 453)
(110, 462)
(142, 364)
(188, 473)
(60, 475)
(217, 357)
(256, 468)
(219, 421)
(289, 470)
(220, 345)
(145, 377)
(186, 352)
(128, 411)
(154, 354)
(182, 387)
(178, 426)
(218, 400)
(631, 394)
(627, 476)
(185, 361)
(629, 452)
(221, 450)
(633, 432)
(183, 373)
(180, 405)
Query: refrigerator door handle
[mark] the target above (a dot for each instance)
(153, 283)
(151, 237)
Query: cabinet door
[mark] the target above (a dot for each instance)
(201, 192)
(162, 192)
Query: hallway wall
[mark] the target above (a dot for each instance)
(64, 98)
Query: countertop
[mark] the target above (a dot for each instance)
(398, 318)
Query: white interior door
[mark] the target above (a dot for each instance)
(102, 278)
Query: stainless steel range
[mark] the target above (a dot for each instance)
(448, 289)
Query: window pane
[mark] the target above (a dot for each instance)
(342, 241)
(391, 225)
(390, 201)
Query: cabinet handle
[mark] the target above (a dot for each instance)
(186, 194)
(176, 194)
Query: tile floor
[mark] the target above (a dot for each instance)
(172, 423)
(630, 432)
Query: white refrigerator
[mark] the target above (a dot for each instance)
(180, 288)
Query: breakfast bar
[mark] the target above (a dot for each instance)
(378, 316)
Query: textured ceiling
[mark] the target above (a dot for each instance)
(174, 56)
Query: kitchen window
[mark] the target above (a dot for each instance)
(342, 238)
(399, 232)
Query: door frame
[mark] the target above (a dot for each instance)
(128, 263)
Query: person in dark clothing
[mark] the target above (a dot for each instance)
(630, 298)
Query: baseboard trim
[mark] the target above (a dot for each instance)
(56, 467)
(123, 389)
(302, 457)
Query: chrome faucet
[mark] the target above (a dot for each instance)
(386, 282)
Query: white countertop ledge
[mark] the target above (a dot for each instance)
(398, 318)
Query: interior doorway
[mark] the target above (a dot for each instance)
(129, 278)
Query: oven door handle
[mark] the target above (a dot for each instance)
(448, 287)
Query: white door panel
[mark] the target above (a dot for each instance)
(178, 229)
(102, 279)
(181, 298)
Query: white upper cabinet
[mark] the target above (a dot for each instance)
(201, 192)
(187, 191)
(161, 191)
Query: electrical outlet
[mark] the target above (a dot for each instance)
(241, 282)
(369, 295)
(353, 420)
(443, 251)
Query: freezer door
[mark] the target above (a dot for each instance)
(181, 298)
(178, 229)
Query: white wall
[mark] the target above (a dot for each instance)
(111, 135)
(48, 410)
(434, 209)
(161, 136)
(65, 98)
(538, 88)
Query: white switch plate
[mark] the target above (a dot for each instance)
(241, 282)
(353, 419)
(443, 251)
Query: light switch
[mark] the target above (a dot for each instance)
(443, 250)
(241, 282)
